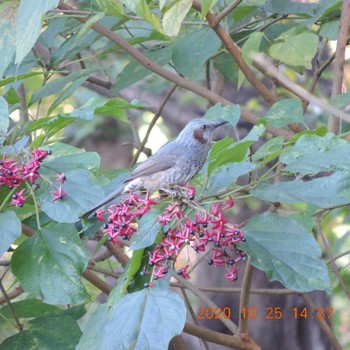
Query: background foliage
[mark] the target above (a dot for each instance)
(275, 70)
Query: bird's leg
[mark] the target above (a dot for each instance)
(172, 192)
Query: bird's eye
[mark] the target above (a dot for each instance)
(203, 127)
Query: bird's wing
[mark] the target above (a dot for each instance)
(164, 159)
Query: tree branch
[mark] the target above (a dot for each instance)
(168, 75)
(338, 67)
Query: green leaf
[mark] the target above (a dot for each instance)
(206, 6)
(65, 158)
(111, 7)
(296, 50)
(135, 71)
(50, 263)
(226, 151)
(326, 192)
(148, 228)
(125, 278)
(341, 101)
(87, 25)
(10, 229)
(311, 146)
(329, 30)
(286, 252)
(157, 316)
(192, 51)
(223, 176)
(218, 112)
(82, 195)
(8, 14)
(18, 77)
(285, 112)
(288, 7)
(141, 8)
(59, 84)
(252, 44)
(173, 17)
(4, 119)
(29, 24)
(27, 308)
(270, 147)
(46, 333)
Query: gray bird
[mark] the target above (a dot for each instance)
(174, 164)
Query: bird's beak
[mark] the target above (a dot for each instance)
(216, 125)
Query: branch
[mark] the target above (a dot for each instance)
(227, 10)
(97, 282)
(232, 341)
(338, 67)
(300, 91)
(331, 258)
(244, 300)
(152, 124)
(235, 52)
(168, 75)
(322, 323)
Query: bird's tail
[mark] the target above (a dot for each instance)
(104, 201)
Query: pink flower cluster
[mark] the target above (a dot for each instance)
(14, 172)
(207, 230)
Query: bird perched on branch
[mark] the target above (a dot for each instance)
(174, 164)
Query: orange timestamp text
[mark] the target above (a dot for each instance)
(268, 313)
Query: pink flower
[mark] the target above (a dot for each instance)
(60, 194)
(183, 272)
(18, 199)
(232, 275)
(61, 178)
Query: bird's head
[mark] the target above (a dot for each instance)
(198, 131)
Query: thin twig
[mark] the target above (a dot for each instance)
(152, 124)
(244, 300)
(19, 326)
(331, 258)
(262, 291)
(227, 10)
(242, 342)
(316, 77)
(322, 323)
(12, 295)
(235, 52)
(97, 282)
(298, 90)
(334, 124)
(117, 252)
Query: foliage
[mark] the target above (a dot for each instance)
(52, 55)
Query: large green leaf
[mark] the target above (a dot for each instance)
(225, 151)
(50, 263)
(46, 332)
(10, 229)
(27, 308)
(326, 192)
(157, 316)
(282, 248)
(82, 194)
(223, 176)
(148, 228)
(193, 50)
(287, 7)
(29, 24)
(173, 18)
(285, 112)
(8, 14)
(219, 112)
(295, 50)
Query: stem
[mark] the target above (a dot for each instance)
(35, 205)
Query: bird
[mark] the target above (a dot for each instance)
(174, 164)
